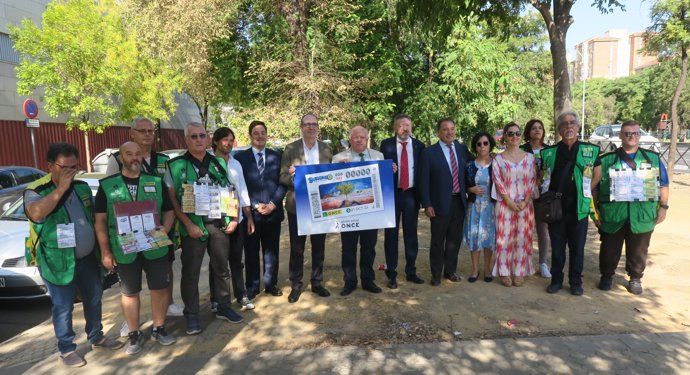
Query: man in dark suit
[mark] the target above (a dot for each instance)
(305, 151)
(404, 151)
(261, 168)
(442, 192)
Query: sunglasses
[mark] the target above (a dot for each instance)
(632, 134)
(514, 134)
(484, 143)
(198, 136)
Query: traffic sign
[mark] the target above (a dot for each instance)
(30, 108)
(32, 123)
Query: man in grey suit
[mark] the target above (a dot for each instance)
(305, 151)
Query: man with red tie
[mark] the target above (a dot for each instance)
(404, 151)
(442, 192)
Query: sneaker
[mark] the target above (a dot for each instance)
(214, 307)
(72, 359)
(107, 343)
(246, 304)
(136, 343)
(635, 286)
(162, 336)
(544, 269)
(124, 329)
(605, 283)
(229, 314)
(193, 326)
(175, 310)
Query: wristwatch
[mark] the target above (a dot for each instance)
(663, 205)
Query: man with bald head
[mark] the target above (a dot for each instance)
(131, 185)
(359, 151)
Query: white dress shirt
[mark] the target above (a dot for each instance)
(236, 177)
(311, 155)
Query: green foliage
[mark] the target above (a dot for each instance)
(89, 68)
(600, 107)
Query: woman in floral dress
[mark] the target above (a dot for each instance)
(514, 178)
(480, 222)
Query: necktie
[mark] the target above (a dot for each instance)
(361, 156)
(260, 163)
(454, 167)
(404, 183)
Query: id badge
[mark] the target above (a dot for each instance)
(587, 182)
(65, 236)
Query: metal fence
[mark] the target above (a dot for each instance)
(682, 156)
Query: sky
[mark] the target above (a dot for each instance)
(589, 22)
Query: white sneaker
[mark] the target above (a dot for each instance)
(246, 304)
(175, 310)
(124, 329)
(545, 271)
(214, 307)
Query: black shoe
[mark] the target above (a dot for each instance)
(294, 295)
(435, 282)
(415, 279)
(455, 277)
(473, 279)
(392, 284)
(554, 288)
(273, 290)
(635, 286)
(577, 290)
(320, 290)
(347, 290)
(488, 279)
(371, 287)
(605, 283)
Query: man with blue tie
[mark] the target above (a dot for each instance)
(442, 194)
(261, 168)
(404, 151)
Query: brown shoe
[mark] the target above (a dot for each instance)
(107, 343)
(505, 280)
(518, 281)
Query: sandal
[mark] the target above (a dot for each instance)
(505, 280)
(518, 281)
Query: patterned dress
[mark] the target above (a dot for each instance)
(480, 223)
(514, 229)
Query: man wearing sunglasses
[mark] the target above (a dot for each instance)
(568, 168)
(60, 211)
(201, 232)
(626, 218)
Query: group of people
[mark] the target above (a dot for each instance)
(479, 196)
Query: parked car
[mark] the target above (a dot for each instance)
(99, 164)
(18, 280)
(606, 137)
(13, 180)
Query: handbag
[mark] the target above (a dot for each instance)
(548, 208)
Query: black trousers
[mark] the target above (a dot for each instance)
(407, 209)
(636, 247)
(446, 238)
(367, 242)
(223, 249)
(571, 232)
(265, 239)
(297, 245)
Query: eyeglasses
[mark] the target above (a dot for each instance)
(514, 134)
(145, 131)
(311, 124)
(197, 136)
(632, 134)
(76, 166)
(568, 123)
(484, 143)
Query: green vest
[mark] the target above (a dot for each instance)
(156, 168)
(116, 191)
(586, 156)
(182, 171)
(613, 215)
(56, 265)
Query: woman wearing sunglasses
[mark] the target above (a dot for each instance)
(480, 222)
(514, 178)
(534, 142)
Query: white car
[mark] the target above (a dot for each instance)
(17, 279)
(606, 137)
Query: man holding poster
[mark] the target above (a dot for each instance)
(305, 151)
(353, 190)
(131, 238)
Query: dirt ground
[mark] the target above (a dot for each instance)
(463, 311)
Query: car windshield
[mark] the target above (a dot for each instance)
(15, 212)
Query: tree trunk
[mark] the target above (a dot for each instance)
(87, 149)
(675, 119)
(296, 13)
(557, 25)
